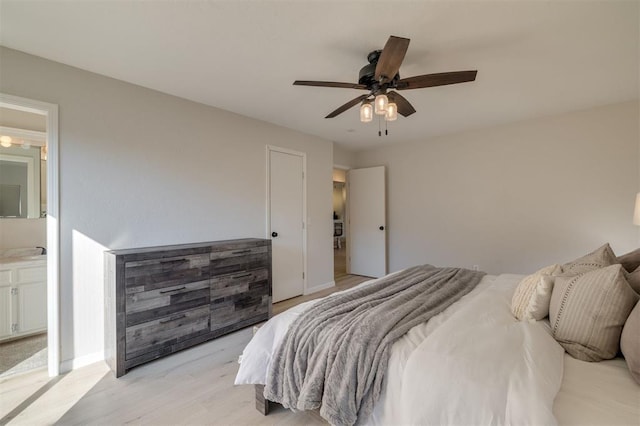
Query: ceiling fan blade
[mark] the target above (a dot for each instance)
(348, 105)
(439, 79)
(329, 84)
(391, 57)
(405, 109)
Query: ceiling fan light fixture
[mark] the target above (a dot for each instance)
(5, 141)
(366, 112)
(392, 112)
(381, 104)
(381, 76)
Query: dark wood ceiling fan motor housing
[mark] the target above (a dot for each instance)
(367, 75)
(381, 75)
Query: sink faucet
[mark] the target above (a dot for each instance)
(44, 250)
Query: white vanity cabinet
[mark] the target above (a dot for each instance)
(23, 297)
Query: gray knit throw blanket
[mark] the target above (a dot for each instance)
(335, 353)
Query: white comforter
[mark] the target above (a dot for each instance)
(472, 364)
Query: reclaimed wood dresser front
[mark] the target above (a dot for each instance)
(160, 300)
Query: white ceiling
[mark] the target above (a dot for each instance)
(534, 58)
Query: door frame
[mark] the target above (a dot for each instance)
(347, 219)
(303, 155)
(50, 111)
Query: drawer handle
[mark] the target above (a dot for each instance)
(175, 289)
(242, 251)
(242, 276)
(173, 319)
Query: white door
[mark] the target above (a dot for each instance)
(367, 222)
(286, 227)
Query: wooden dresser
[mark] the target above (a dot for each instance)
(160, 300)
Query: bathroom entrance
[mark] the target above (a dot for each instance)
(24, 308)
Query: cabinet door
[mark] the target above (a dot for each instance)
(6, 310)
(32, 307)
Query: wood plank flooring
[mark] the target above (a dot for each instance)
(342, 283)
(194, 386)
(340, 261)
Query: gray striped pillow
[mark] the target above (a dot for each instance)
(603, 256)
(587, 312)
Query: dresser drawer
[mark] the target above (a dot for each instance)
(166, 331)
(23, 272)
(6, 276)
(237, 312)
(239, 282)
(154, 274)
(30, 274)
(224, 262)
(237, 309)
(148, 305)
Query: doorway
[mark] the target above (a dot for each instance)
(29, 332)
(340, 223)
(286, 212)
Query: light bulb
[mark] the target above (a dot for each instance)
(5, 141)
(366, 112)
(392, 112)
(381, 104)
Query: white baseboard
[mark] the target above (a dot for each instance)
(320, 287)
(81, 361)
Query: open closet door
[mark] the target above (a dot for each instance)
(367, 222)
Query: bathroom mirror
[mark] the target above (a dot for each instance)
(20, 172)
(23, 156)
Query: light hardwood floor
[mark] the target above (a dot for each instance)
(340, 261)
(342, 283)
(194, 387)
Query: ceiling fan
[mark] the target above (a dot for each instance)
(380, 78)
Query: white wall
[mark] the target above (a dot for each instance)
(516, 197)
(19, 233)
(342, 157)
(141, 168)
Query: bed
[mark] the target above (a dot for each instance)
(475, 363)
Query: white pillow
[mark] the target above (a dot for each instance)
(538, 307)
(527, 290)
